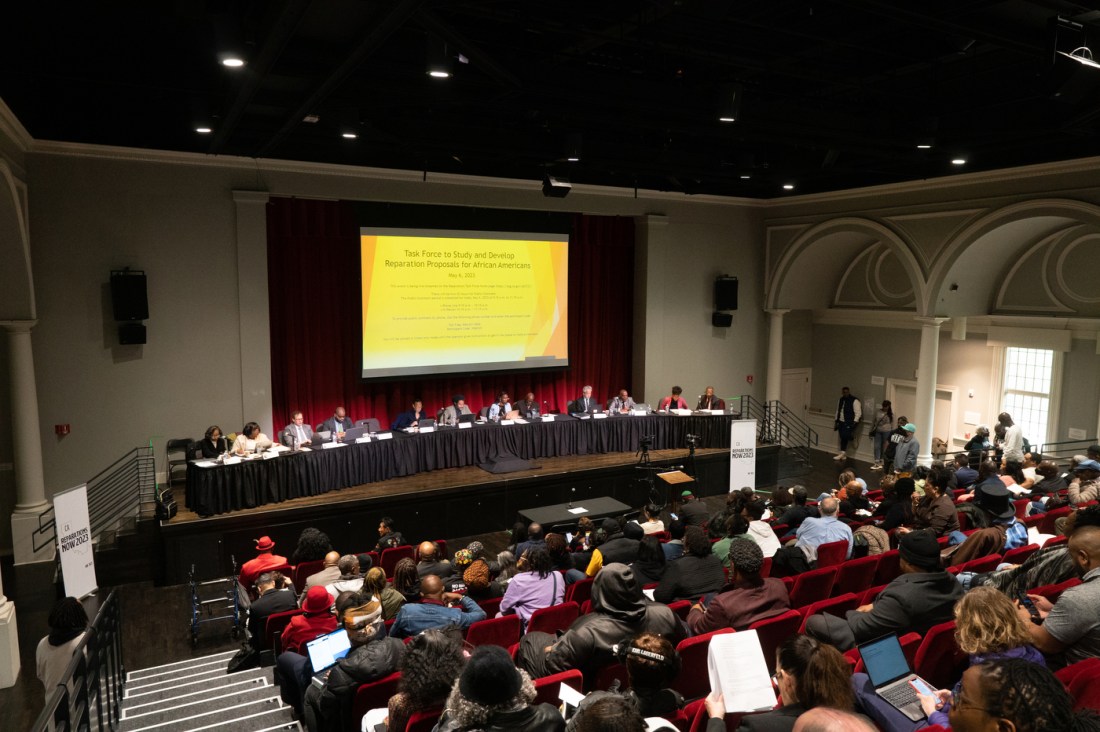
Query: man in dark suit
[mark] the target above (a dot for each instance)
(410, 417)
(276, 596)
(297, 430)
(585, 403)
(693, 512)
(338, 422)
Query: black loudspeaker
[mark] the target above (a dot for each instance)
(131, 334)
(721, 320)
(725, 293)
(128, 296)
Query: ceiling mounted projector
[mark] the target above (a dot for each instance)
(555, 187)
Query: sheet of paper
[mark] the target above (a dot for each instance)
(304, 449)
(638, 412)
(206, 463)
(570, 696)
(361, 440)
(600, 415)
(426, 430)
(735, 664)
(681, 412)
(1034, 537)
(330, 445)
(270, 454)
(384, 436)
(547, 418)
(649, 593)
(507, 421)
(465, 425)
(232, 460)
(278, 448)
(578, 510)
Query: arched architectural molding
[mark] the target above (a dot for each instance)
(817, 261)
(984, 253)
(16, 283)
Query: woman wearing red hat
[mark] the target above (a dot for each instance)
(265, 561)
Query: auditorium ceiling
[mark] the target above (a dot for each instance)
(825, 95)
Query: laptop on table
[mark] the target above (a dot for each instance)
(325, 651)
(891, 676)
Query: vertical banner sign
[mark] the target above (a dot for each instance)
(742, 454)
(74, 541)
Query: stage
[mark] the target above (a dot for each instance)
(429, 505)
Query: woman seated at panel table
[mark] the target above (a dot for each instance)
(213, 443)
(250, 440)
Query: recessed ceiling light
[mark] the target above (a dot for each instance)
(233, 62)
(958, 161)
(727, 119)
(311, 119)
(573, 160)
(439, 74)
(203, 130)
(349, 135)
(924, 146)
(788, 186)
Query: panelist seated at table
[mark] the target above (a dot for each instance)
(502, 408)
(622, 404)
(410, 417)
(673, 402)
(297, 432)
(458, 406)
(584, 404)
(528, 408)
(251, 440)
(213, 443)
(709, 401)
(339, 422)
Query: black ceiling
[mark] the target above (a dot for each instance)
(834, 95)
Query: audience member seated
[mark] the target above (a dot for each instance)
(376, 587)
(650, 565)
(492, 694)
(693, 575)
(411, 416)
(731, 528)
(824, 719)
(896, 508)
(1003, 534)
(213, 443)
(923, 595)
(1052, 482)
(652, 515)
(752, 598)
(1085, 485)
(478, 576)
(350, 580)
(759, 530)
(602, 711)
(560, 557)
(276, 596)
(504, 569)
(313, 545)
(812, 533)
(935, 512)
(617, 545)
(435, 610)
(1014, 478)
(652, 664)
(68, 622)
(535, 587)
(987, 627)
(693, 512)
(373, 656)
(780, 502)
(799, 511)
(406, 580)
(431, 563)
(1070, 628)
(250, 440)
(675, 401)
(619, 612)
(264, 561)
(519, 535)
(674, 547)
(809, 674)
(534, 540)
(965, 476)
(292, 669)
(388, 535)
(329, 573)
(432, 662)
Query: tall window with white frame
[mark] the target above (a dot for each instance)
(1028, 390)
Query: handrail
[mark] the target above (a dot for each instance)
(89, 694)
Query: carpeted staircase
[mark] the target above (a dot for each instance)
(198, 694)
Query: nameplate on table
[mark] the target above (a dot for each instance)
(578, 510)
(465, 425)
(507, 421)
(330, 445)
(638, 412)
(231, 461)
(716, 412)
(599, 415)
(519, 420)
(271, 454)
(680, 412)
(427, 430)
(361, 440)
(384, 436)
(548, 417)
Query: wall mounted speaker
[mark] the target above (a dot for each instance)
(128, 296)
(725, 293)
(721, 320)
(131, 334)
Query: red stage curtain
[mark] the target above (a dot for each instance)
(316, 321)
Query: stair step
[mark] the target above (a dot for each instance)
(184, 690)
(197, 704)
(178, 667)
(247, 716)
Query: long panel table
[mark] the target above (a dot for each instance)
(249, 484)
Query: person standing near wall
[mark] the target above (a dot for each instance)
(849, 412)
(880, 431)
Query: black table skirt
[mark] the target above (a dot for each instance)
(293, 475)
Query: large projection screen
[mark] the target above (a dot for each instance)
(440, 302)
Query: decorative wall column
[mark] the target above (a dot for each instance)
(773, 387)
(927, 366)
(255, 318)
(9, 642)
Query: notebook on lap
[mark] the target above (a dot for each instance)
(325, 651)
(891, 676)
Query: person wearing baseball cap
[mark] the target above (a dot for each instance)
(693, 512)
(923, 595)
(265, 561)
(905, 455)
(1085, 485)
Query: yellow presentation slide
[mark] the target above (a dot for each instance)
(463, 301)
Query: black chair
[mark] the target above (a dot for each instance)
(181, 446)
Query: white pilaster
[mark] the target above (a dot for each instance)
(773, 386)
(927, 366)
(255, 317)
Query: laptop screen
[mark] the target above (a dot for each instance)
(884, 659)
(328, 649)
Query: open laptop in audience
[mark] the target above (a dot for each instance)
(894, 681)
(325, 651)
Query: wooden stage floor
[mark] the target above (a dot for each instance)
(446, 480)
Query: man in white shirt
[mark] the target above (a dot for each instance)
(622, 404)
(297, 430)
(1013, 444)
(760, 531)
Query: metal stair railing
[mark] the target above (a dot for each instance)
(115, 494)
(1063, 452)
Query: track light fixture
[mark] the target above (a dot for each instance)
(439, 59)
(729, 103)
